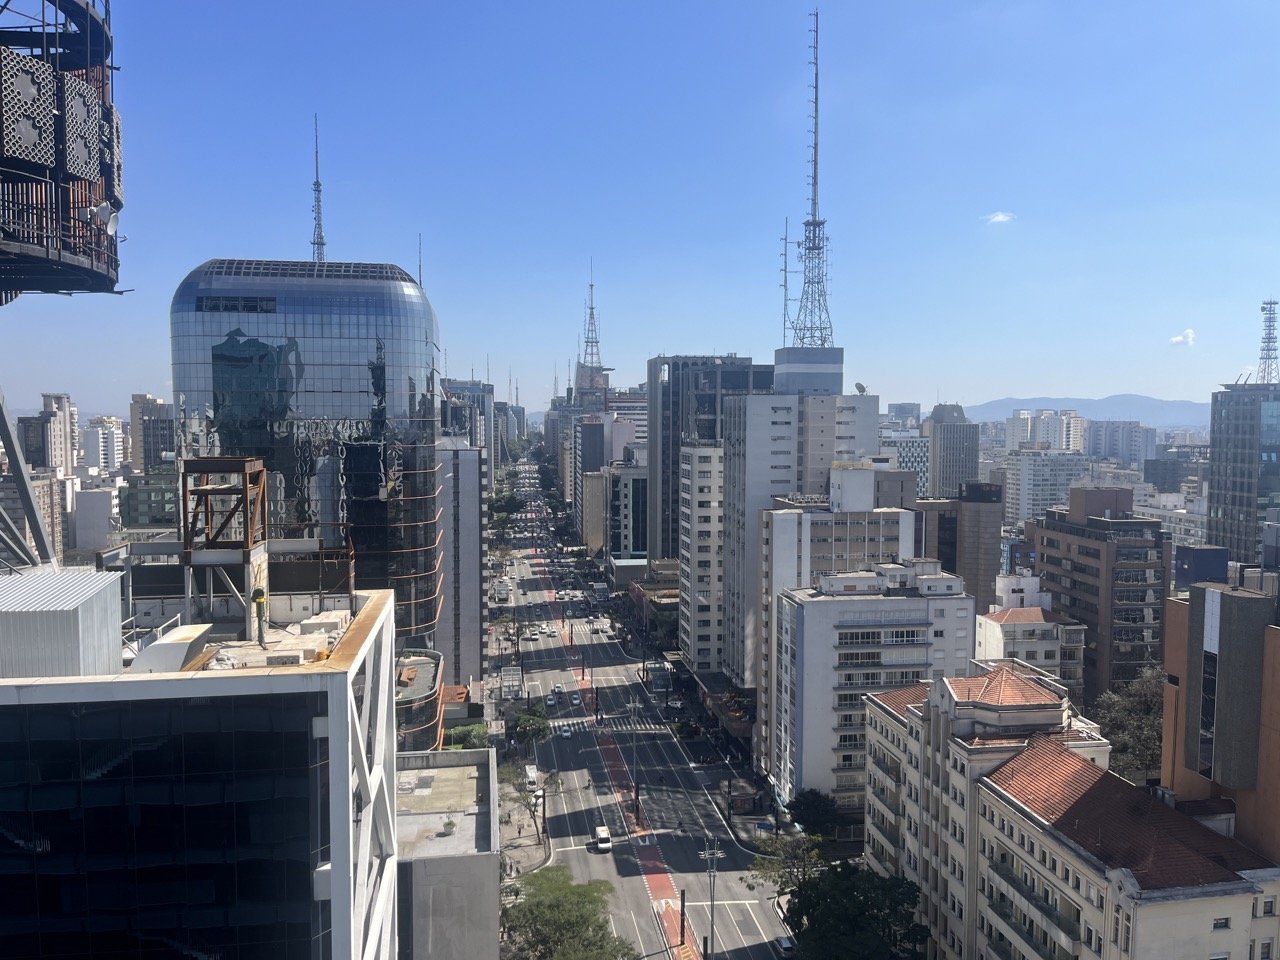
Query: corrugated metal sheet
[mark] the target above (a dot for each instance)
(49, 590)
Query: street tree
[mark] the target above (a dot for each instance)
(787, 861)
(856, 914)
(532, 728)
(554, 918)
(816, 811)
(1131, 718)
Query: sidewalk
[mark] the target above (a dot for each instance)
(522, 851)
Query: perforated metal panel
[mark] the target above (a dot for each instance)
(81, 116)
(27, 96)
(112, 164)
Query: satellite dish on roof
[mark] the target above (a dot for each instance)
(113, 224)
(860, 387)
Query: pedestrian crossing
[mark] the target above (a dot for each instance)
(623, 723)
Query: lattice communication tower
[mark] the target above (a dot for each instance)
(1268, 371)
(812, 324)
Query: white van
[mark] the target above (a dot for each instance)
(531, 777)
(604, 842)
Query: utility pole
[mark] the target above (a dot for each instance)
(711, 853)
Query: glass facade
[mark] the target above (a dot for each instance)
(328, 372)
(164, 828)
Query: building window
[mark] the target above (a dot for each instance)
(1269, 907)
(1219, 923)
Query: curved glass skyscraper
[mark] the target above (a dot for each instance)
(328, 372)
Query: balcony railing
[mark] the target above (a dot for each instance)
(887, 767)
(996, 948)
(1004, 909)
(851, 765)
(1068, 925)
(889, 833)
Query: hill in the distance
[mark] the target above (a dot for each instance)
(1122, 406)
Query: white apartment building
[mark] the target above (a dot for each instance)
(888, 625)
(804, 538)
(1183, 516)
(1050, 429)
(775, 445)
(701, 629)
(1051, 641)
(991, 793)
(1036, 480)
(1021, 588)
(104, 443)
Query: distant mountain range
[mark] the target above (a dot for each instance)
(1122, 406)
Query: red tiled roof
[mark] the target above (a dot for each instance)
(903, 697)
(1120, 824)
(1026, 615)
(1001, 687)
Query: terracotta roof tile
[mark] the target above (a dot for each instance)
(1120, 824)
(1001, 687)
(1026, 615)
(903, 697)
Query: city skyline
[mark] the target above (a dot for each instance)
(1052, 178)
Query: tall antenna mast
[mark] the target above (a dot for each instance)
(786, 279)
(812, 326)
(317, 235)
(591, 336)
(1268, 371)
(419, 259)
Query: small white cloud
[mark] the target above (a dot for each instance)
(1187, 338)
(1000, 216)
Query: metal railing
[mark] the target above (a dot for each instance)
(889, 770)
(1068, 925)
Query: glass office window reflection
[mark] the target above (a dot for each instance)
(327, 371)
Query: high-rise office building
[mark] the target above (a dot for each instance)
(686, 403)
(963, 533)
(216, 796)
(777, 444)
(326, 371)
(911, 452)
(1110, 570)
(151, 431)
(953, 449)
(1244, 466)
(701, 515)
(465, 489)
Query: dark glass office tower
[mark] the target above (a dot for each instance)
(1244, 466)
(327, 371)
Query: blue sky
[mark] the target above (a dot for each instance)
(1134, 145)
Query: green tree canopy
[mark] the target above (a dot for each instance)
(816, 812)
(787, 861)
(855, 914)
(554, 918)
(1131, 717)
(532, 727)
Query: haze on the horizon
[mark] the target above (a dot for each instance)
(1024, 198)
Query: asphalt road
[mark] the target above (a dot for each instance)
(661, 848)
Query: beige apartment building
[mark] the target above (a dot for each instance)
(991, 793)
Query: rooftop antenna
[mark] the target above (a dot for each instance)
(317, 235)
(486, 369)
(812, 326)
(419, 259)
(786, 279)
(591, 337)
(1268, 371)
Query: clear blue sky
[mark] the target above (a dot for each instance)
(1135, 146)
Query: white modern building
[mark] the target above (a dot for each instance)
(886, 626)
(1046, 429)
(462, 627)
(1036, 480)
(97, 518)
(216, 791)
(991, 793)
(777, 444)
(1038, 636)
(104, 443)
(1184, 516)
(701, 629)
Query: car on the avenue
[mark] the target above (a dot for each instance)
(784, 947)
(551, 700)
(575, 699)
(604, 842)
(566, 733)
